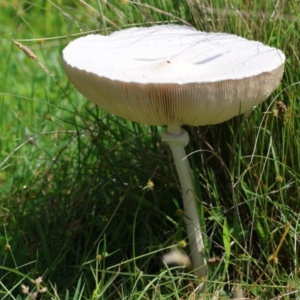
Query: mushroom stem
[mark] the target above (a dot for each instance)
(178, 138)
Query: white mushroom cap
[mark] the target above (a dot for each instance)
(173, 74)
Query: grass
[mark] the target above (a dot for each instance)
(72, 203)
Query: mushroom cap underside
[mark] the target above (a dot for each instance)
(164, 104)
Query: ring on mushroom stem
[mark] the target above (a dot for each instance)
(208, 79)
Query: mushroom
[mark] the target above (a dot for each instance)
(175, 75)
